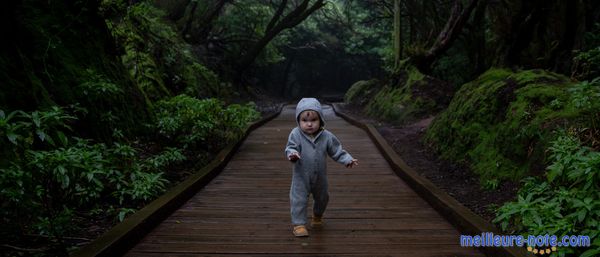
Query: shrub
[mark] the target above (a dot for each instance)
(49, 177)
(566, 202)
(206, 124)
(586, 64)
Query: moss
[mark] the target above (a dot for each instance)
(414, 75)
(361, 92)
(409, 96)
(501, 123)
(160, 61)
(388, 104)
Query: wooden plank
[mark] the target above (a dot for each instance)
(305, 246)
(396, 254)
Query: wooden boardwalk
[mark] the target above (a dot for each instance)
(245, 210)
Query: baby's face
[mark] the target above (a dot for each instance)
(310, 122)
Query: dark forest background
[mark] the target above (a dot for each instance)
(105, 104)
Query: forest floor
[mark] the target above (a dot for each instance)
(456, 180)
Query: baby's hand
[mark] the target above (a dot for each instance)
(352, 164)
(294, 156)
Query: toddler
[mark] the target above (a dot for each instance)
(308, 145)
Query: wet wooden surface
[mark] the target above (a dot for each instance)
(245, 210)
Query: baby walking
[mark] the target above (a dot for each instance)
(308, 146)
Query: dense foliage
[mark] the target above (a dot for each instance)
(157, 59)
(89, 137)
(206, 124)
(508, 126)
(565, 202)
(50, 176)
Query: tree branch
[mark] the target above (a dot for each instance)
(277, 15)
(290, 20)
(448, 35)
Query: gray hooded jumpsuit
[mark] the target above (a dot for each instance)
(310, 171)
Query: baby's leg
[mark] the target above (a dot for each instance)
(299, 192)
(320, 195)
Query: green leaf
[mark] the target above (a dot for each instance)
(35, 117)
(61, 170)
(538, 219)
(50, 140)
(12, 137)
(581, 215)
(590, 253)
(121, 215)
(63, 139)
(65, 181)
(41, 134)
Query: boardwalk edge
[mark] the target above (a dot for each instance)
(465, 220)
(120, 238)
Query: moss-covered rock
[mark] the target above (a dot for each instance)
(409, 95)
(362, 91)
(501, 123)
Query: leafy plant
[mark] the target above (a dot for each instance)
(203, 123)
(586, 62)
(585, 93)
(168, 156)
(566, 203)
(49, 177)
(98, 86)
(123, 212)
(23, 129)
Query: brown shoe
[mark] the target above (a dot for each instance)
(300, 231)
(316, 221)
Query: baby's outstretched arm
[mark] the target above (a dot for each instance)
(338, 154)
(292, 148)
(294, 156)
(353, 163)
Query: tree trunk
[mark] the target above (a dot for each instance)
(479, 42)
(196, 30)
(574, 22)
(447, 36)
(286, 74)
(397, 34)
(190, 19)
(522, 30)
